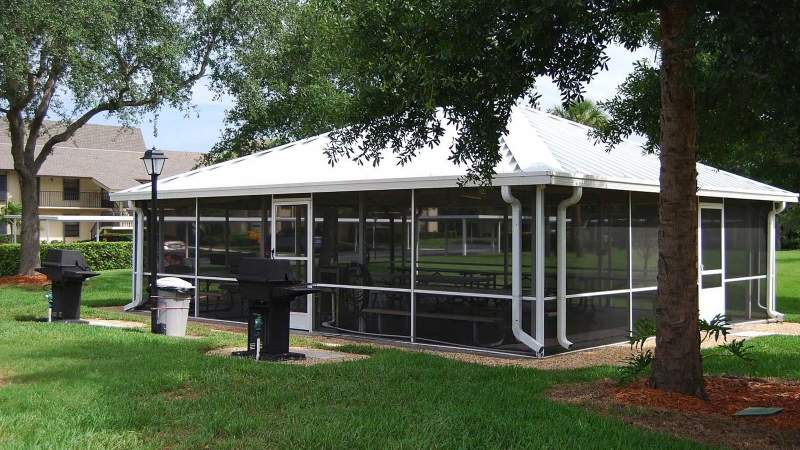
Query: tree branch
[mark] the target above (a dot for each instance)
(41, 109)
(33, 77)
(210, 45)
(16, 128)
(209, 48)
(69, 131)
(18, 100)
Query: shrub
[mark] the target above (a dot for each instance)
(99, 255)
(640, 361)
(8, 238)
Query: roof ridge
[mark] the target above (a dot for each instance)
(119, 150)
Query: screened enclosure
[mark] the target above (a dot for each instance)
(561, 253)
(434, 265)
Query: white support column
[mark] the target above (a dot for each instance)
(133, 256)
(630, 263)
(464, 237)
(771, 262)
(197, 257)
(413, 236)
(540, 232)
(561, 266)
(310, 259)
(362, 230)
(499, 233)
(138, 267)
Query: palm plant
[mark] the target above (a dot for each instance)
(10, 209)
(585, 112)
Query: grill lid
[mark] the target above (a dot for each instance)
(265, 270)
(65, 258)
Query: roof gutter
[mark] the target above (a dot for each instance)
(771, 256)
(516, 274)
(561, 266)
(444, 181)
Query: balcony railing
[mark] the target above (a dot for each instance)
(60, 199)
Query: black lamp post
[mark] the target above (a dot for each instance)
(154, 164)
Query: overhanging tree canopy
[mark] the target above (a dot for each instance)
(393, 65)
(74, 59)
(744, 77)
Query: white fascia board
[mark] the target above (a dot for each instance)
(647, 186)
(339, 186)
(619, 184)
(790, 197)
(506, 179)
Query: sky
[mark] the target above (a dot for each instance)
(199, 128)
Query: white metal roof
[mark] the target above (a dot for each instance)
(539, 148)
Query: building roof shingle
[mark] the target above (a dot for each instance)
(108, 154)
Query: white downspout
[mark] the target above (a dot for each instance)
(540, 231)
(516, 273)
(771, 259)
(561, 266)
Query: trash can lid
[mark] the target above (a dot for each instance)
(174, 284)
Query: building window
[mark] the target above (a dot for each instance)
(72, 189)
(3, 187)
(72, 229)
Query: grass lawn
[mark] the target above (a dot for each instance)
(78, 386)
(789, 284)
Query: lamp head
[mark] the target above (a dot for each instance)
(154, 161)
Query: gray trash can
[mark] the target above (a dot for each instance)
(174, 296)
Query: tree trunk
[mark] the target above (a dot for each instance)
(678, 365)
(29, 251)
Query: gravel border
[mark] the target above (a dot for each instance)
(613, 354)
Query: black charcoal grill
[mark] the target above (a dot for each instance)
(269, 286)
(66, 270)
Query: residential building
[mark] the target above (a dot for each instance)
(75, 181)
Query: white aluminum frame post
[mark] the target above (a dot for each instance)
(301, 321)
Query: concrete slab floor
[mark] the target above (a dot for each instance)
(313, 355)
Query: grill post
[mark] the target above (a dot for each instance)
(153, 219)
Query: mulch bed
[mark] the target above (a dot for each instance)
(726, 396)
(32, 280)
(708, 422)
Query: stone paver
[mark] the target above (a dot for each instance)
(313, 355)
(114, 323)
